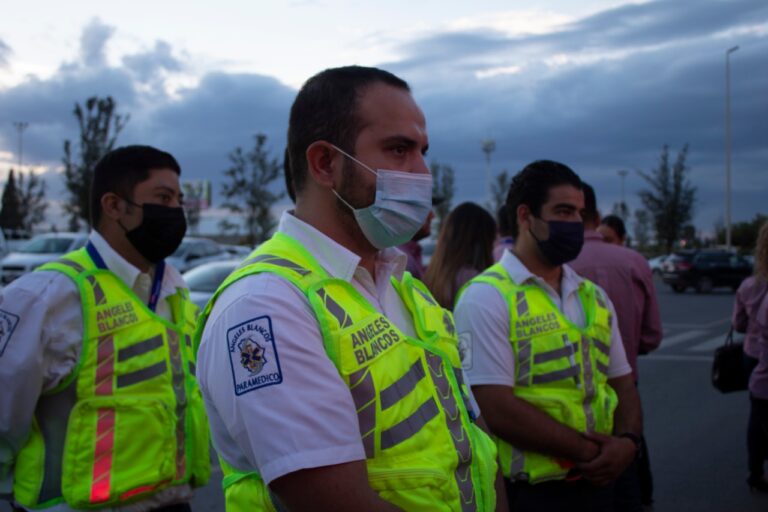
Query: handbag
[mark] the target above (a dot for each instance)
(728, 370)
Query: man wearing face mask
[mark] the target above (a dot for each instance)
(100, 408)
(546, 361)
(331, 377)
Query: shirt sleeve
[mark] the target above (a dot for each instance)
(618, 365)
(740, 319)
(276, 401)
(482, 321)
(651, 331)
(40, 335)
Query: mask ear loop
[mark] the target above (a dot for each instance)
(337, 148)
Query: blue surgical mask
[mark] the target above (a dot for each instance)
(403, 201)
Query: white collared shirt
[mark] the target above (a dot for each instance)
(482, 321)
(305, 418)
(44, 348)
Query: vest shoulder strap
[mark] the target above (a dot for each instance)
(73, 264)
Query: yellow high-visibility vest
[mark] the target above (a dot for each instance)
(423, 450)
(129, 420)
(560, 368)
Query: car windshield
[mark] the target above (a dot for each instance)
(208, 277)
(182, 250)
(47, 245)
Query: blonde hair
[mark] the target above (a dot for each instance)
(761, 253)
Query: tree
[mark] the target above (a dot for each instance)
(642, 230)
(32, 200)
(743, 234)
(11, 217)
(248, 193)
(499, 191)
(99, 127)
(670, 198)
(442, 190)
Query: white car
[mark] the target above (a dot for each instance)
(38, 251)
(657, 264)
(194, 252)
(205, 279)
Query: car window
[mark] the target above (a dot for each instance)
(47, 245)
(207, 278)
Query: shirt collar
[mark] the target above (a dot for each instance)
(336, 259)
(114, 262)
(569, 281)
(591, 234)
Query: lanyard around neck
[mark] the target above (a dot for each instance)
(154, 295)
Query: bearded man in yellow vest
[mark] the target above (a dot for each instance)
(331, 377)
(99, 407)
(544, 356)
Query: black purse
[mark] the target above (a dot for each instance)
(728, 369)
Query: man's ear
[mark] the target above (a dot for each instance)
(321, 158)
(110, 206)
(523, 216)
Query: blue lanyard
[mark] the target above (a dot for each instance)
(154, 295)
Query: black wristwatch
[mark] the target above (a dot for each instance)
(634, 438)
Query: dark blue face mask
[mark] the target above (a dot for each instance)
(564, 242)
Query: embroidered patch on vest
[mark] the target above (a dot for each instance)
(8, 322)
(253, 355)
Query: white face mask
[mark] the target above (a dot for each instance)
(403, 201)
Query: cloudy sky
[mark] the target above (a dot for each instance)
(600, 85)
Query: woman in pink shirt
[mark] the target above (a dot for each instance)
(750, 315)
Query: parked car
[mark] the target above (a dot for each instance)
(238, 251)
(657, 264)
(705, 270)
(205, 279)
(427, 250)
(193, 252)
(38, 251)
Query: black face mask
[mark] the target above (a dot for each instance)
(160, 232)
(564, 242)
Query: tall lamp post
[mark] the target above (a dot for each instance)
(489, 146)
(728, 146)
(623, 174)
(20, 127)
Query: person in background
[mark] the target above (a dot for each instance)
(544, 357)
(750, 315)
(613, 230)
(464, 249)
(625, 276)
(504, 240)
(413, 249)
(100, 407)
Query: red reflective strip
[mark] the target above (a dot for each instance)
(105, 424)
(138, 490)
(102, 465)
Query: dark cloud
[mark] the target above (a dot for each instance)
(147, 65)
(5, 51)
(598, 115)
(93, 42)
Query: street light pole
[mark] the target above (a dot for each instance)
(623, 173)
(489, 146)
(728, 146)
(20, 127)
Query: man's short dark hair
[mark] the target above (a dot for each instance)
(589, 215)
(120, 170)
(615, 223)
(326, 109)
(504, 221)
(531, 186)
